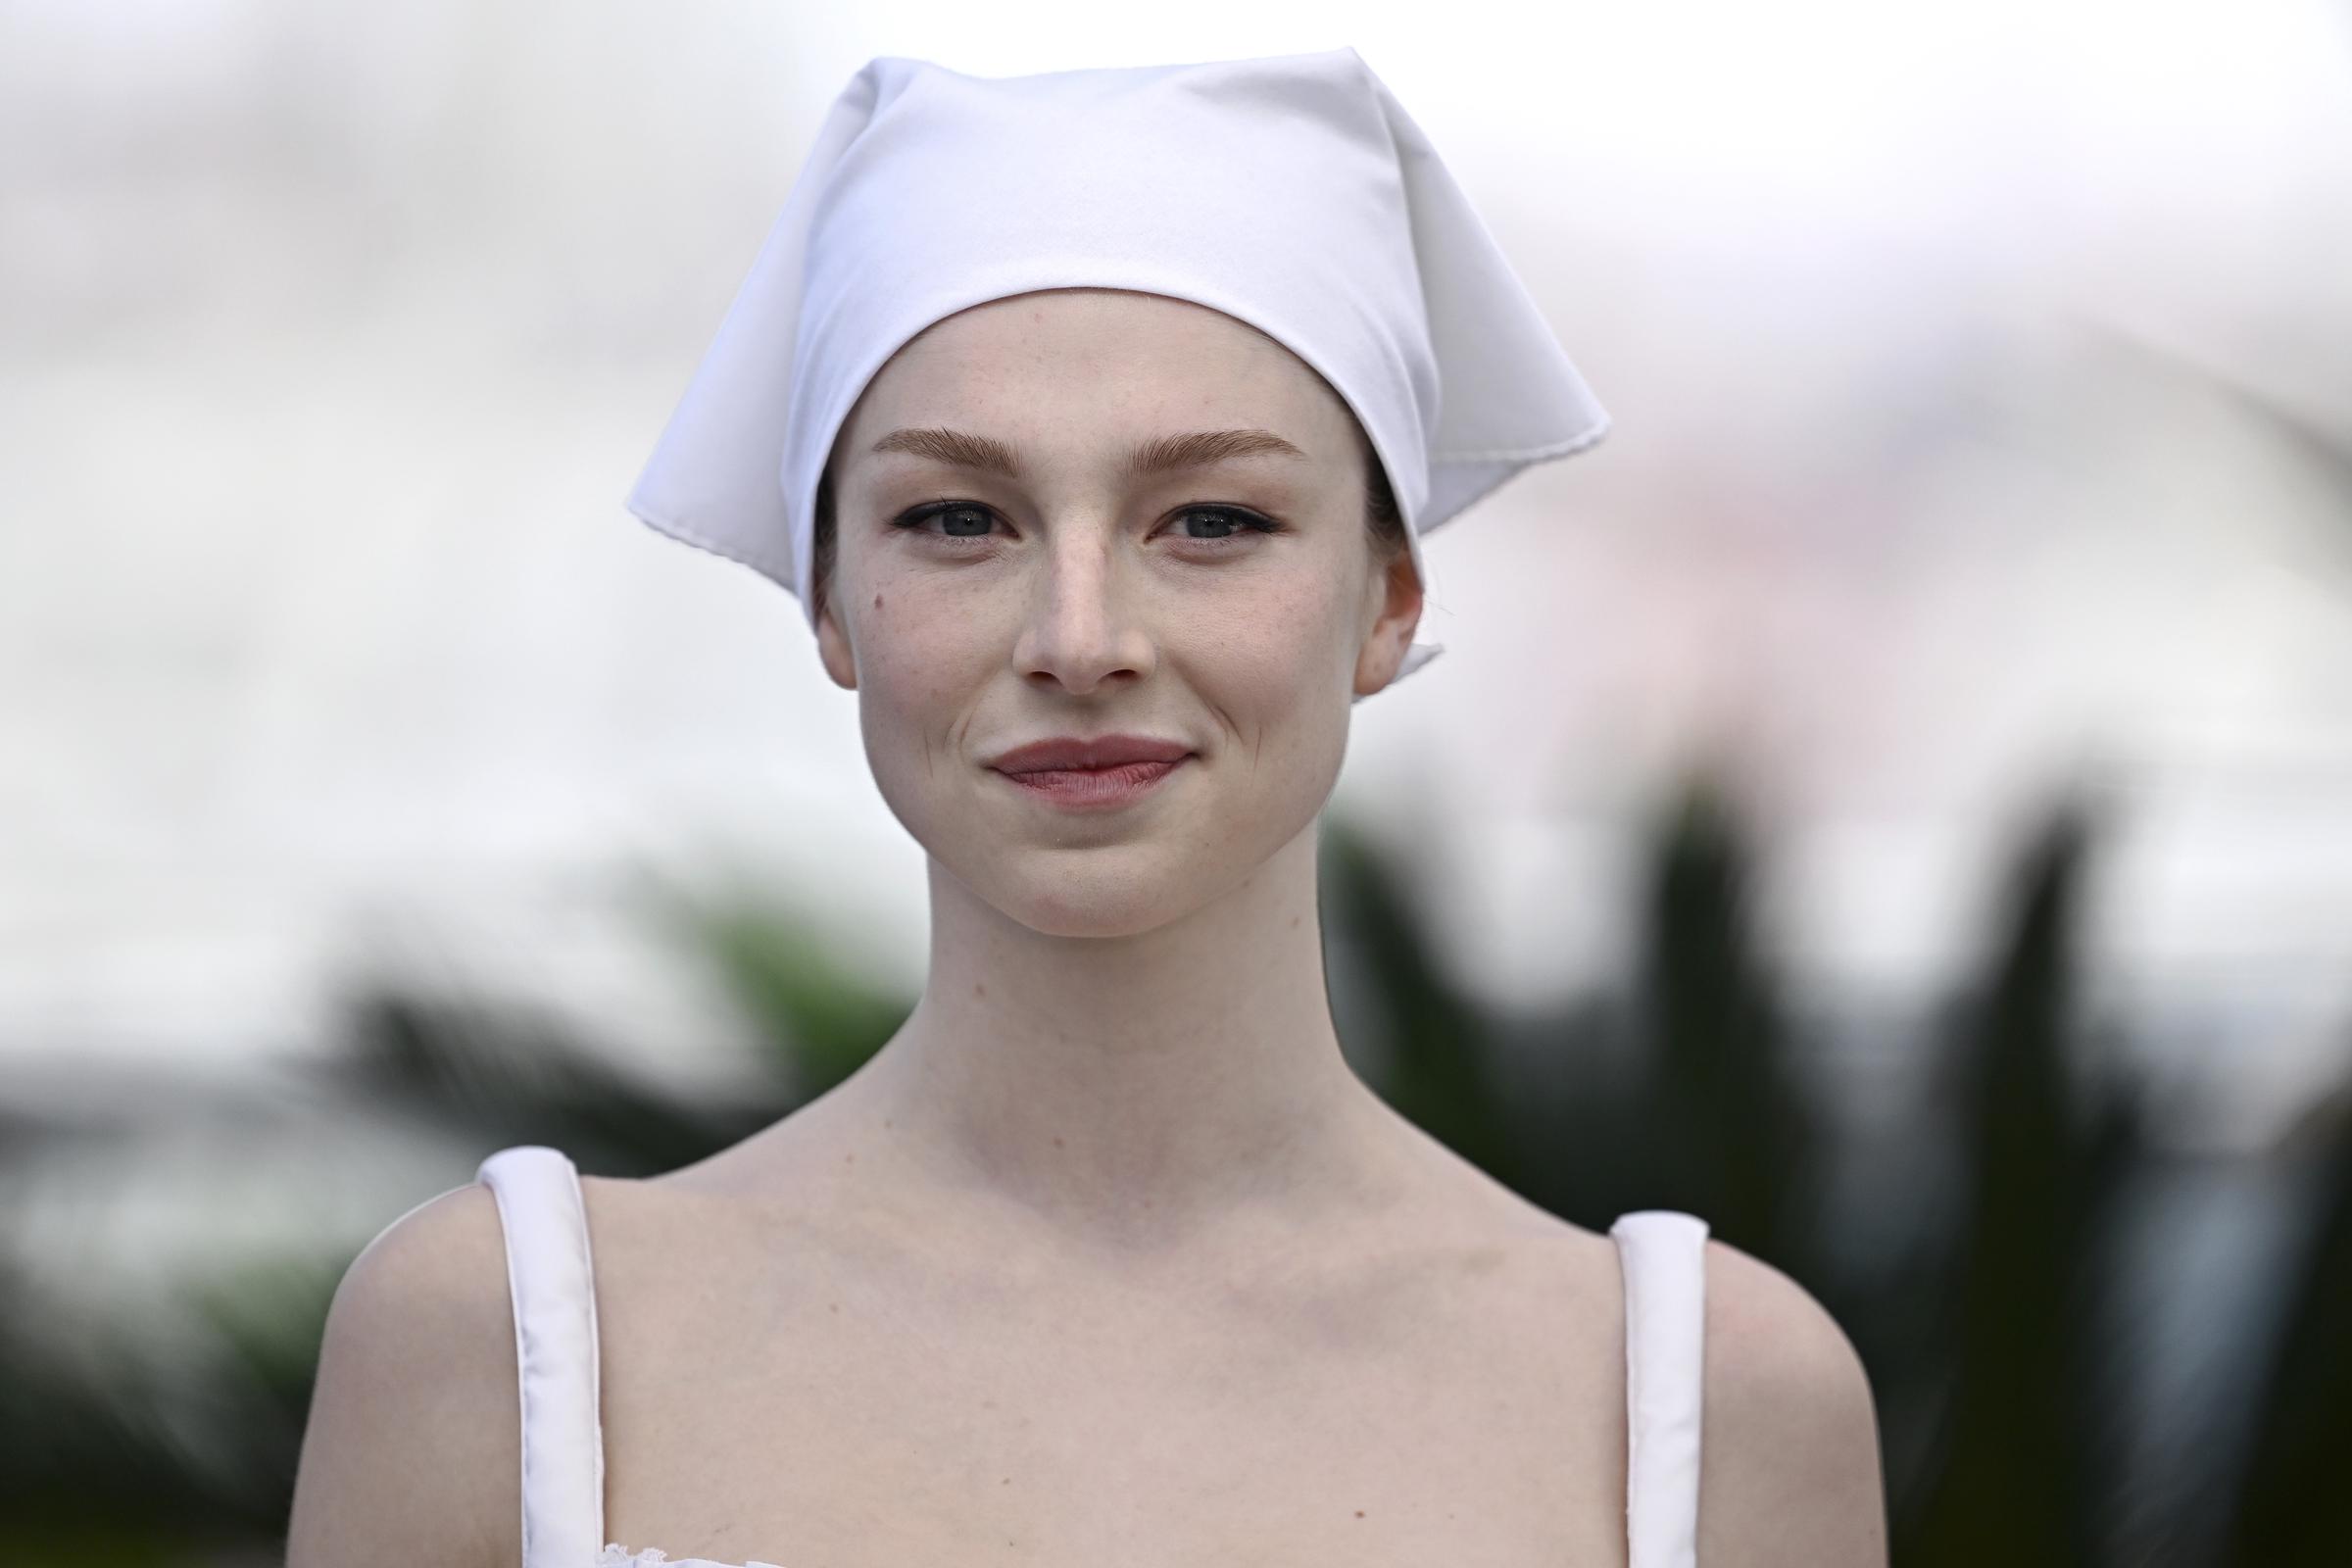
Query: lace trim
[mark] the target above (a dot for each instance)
(617, 1556)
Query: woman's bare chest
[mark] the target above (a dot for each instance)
(1464, 1407)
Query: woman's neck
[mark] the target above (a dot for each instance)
(1133, 1094)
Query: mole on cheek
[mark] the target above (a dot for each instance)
(877, 601)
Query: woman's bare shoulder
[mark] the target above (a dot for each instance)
(413, 1449)
(1788, 1465)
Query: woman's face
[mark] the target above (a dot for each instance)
(1224, 597)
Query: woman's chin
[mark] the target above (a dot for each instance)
(1060, 897)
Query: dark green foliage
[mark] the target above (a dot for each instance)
(265, 1318)
(1439, 1067)
(2294, 1507)
(1729, 1134)
(506, 1075)
(2015, 1466)
(822, 1019)
(112, 1455)
(1567, 1112)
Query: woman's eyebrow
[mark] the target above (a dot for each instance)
(1165, 454)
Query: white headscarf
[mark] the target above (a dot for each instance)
(1291, 192)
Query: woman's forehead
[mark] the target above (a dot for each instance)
(1101, 360)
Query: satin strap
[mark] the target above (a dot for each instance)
(1662, 1253)
(550, 1281)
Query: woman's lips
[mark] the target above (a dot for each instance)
(1094, 789)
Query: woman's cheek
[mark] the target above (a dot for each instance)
(914, 652)
(920, 671)
(1275, 646)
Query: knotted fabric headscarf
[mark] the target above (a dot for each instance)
(1291, 192)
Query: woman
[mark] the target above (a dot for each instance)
(1110, 407)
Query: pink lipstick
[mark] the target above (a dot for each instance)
(1091, 775)
(1090, 788)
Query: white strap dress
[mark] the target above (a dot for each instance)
(1662, 1252)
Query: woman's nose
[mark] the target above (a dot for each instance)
(1085, 619)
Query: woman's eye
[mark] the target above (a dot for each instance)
(1234, 522)
(963, 519)
(959, 521)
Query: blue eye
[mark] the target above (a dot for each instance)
(949, 509)
(1241, 523)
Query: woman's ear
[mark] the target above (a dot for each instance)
(833, 644)
(832, 639)
(1395, 599)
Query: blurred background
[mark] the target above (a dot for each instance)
(1903, 775)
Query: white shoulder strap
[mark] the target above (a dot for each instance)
(1662, 1255)
(554, 1291)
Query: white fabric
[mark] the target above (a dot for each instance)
(1292, 192)
(1661, 1254)
(553, 1291)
